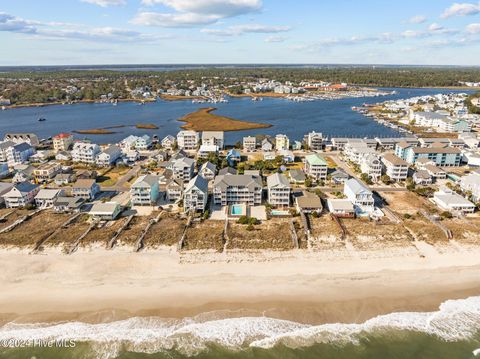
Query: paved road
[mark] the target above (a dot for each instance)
(122, 180)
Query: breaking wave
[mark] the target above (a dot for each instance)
(455, 320)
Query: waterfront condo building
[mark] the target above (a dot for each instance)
(441, 156)
(19, 153)
(237, 189)
(314, 141)
(250, 143)
(279, 190)
(282, 142)
(187, 140)
(62, 142)
(213, 138)
(196, 195)
(395, 167)
(144, 191)
(85, 152)
(316, 166)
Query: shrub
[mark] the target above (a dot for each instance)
(407, 216)
(250, 227)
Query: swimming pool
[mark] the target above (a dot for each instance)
(236, 210)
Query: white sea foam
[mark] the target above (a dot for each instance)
(455, 320)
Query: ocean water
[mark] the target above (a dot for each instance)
(453, 331)
(333, 118)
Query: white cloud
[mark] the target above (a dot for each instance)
(275, 39)
(247, 28)
(191, 13)
(461, 9)
(221, 8)
(106, 3)
(473, 28)
(411, 34)
(173, 20)
(418, 19)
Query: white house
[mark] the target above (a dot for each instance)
(282, 142)
(448, 200)
(182, 168)
(316, 166)
(187, 140)
(196, 194)
(168, 142)
(46, 197)
(85, 152)
(371, 165)
(106, 211)
(143, 143)
(85, 188)
(174, 190)
(314, 141)
(471, 183)
(62, 142)
(144, 191)
(208, 171)
(250, 143)
(109, 156)
(21, 195)
(213, 138)
(359, 195)
(19, 153)
(279, 190)
(395, 167)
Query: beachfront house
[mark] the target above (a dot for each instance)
(46, 172)
(422, 177)
(105, 211)
(208, 171)
(340, 207)
(68, 204)
(316, 167)
(448, 200)
(371, 166)
(62, 142)
(233, 157)
(5, 187)
(19, 153)
(174, 190)
(395, 167)
(237, 189)
(143, 143)
(168, 142)
(359, 195)
(195, 195)
(249, 143)
(471, 183)
(314, 141)
(187, 140)
(282, 142)
(182, 168)
(441, 156)
(46, 197)
(109, 156)
(85, 188)
(21, 195)
(213, 138)
(308, 202)
(144, 191)
(279, 190)
(85, 152)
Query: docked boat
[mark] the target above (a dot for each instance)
(3, 108)
(42, 119)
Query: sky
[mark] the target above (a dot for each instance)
(85, 32)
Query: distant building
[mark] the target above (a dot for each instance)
(187, 140)
(62, 142)
(267, 145)
(282, 142)
(213, 138)
(19, 153)
(314, 141)
(168, 142)
(85, 152)
(250, 143)
(109, 156)
(143, 143)
(442, 156)
(29, 138)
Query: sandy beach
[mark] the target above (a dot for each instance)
(97, 285)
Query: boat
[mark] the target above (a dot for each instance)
(41, 119)
(3, 108)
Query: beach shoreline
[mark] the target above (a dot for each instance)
(96, 285)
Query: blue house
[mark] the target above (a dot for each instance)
(233, 157)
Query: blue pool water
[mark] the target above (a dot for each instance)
(236, 210)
